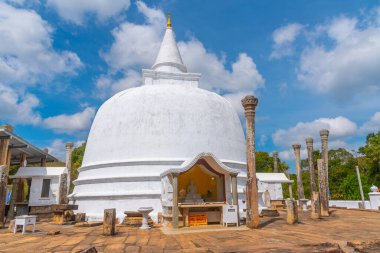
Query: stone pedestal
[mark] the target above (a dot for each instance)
(374, 199)
(109, 222)
(63, 214)
(303, 204)
(292, 211)
(80, 217)
(134, 219)
(145, 215)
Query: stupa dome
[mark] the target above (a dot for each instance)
(164, 122)
(141, 132)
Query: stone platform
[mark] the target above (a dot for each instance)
(343, 231)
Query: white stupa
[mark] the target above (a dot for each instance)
(141, 132)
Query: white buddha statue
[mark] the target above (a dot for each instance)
(192, 194)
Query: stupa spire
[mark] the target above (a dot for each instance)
(169, 23)
(169, 58)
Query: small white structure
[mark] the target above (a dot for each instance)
(374, 197)
(230, 215)
(25, 220)
(272, 182)
(44, 188)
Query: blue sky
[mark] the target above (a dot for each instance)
(312, 64)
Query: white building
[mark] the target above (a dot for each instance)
(44, 184)
(273, 183)
(141, 135)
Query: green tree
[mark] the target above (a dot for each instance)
(264, 163)
(371, 162)
(76, 163)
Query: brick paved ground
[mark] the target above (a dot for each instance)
(273, 236)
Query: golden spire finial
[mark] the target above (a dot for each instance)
(169, 24)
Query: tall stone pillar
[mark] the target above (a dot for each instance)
(297, 154)
(5, 157)
(324, 133)
(175, 211)
(310, 155)
(3, 188)
(63, 189)
(315, 208)
(234, 190)
(275, 161)
(323, 195)
(23, 160)
(249, 103)
(20, 194)
(292, 212)
(235, 197)
(69, 151)
(15, 183)
(43, 162)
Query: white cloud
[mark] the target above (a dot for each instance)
(76, 11)
(263, 140)
(18, 109)
(283, 39)
(342, 132)
(372, 125)
(244, 75)
(69, 124)
(288, 154)
(235, 100)
(136, 46)
(106, 85)
(339, 127)
(57, 149)
(347, 64)
(26, 52)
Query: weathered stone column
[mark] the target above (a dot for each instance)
(292, 211)
(20, 189)
(23, 160)
(15, 183)
(249, 103)
(324, 133)
(297, 154)
(63, 189)
(310, 155)
(235, 197)
(275, 161)
(5, 157)
(43, 160)
(290, 191)
(323, 196)
(175, 211)
(3, 187)
(315, 209)
(109, 222)
(69, 151)
(234, 189)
